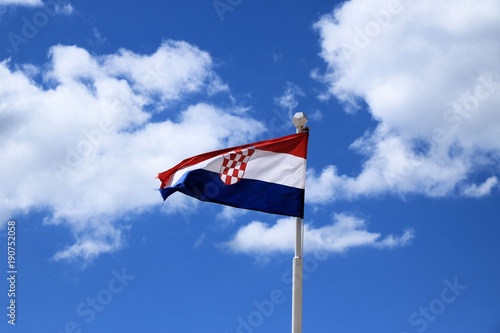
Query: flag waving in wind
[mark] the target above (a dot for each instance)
(266, 176)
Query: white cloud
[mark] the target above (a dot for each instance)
(288, 101)
(98, 37)
(177, 68)
(65, 9)
(485, 188)
(429, 73)
(321, 188)
(345, 232)
(50, 7)
(80, 141)
(199, 241)
(21, 2)
(277, 57)
(230, 214)
(101, 237)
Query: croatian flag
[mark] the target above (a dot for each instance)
(266, 176)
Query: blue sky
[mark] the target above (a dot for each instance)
(402, 193)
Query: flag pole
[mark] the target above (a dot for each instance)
(299, 120)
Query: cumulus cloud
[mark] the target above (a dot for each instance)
(84, 136)
(321, 188)
(345, 232)
(176, 69)
(429, 74)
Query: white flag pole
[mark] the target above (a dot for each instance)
(299, 120)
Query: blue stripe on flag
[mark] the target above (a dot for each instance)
(247, 193)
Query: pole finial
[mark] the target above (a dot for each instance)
(299, 120)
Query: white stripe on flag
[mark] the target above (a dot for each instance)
(271, 167)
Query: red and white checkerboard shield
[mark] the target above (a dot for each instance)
(234, 165)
